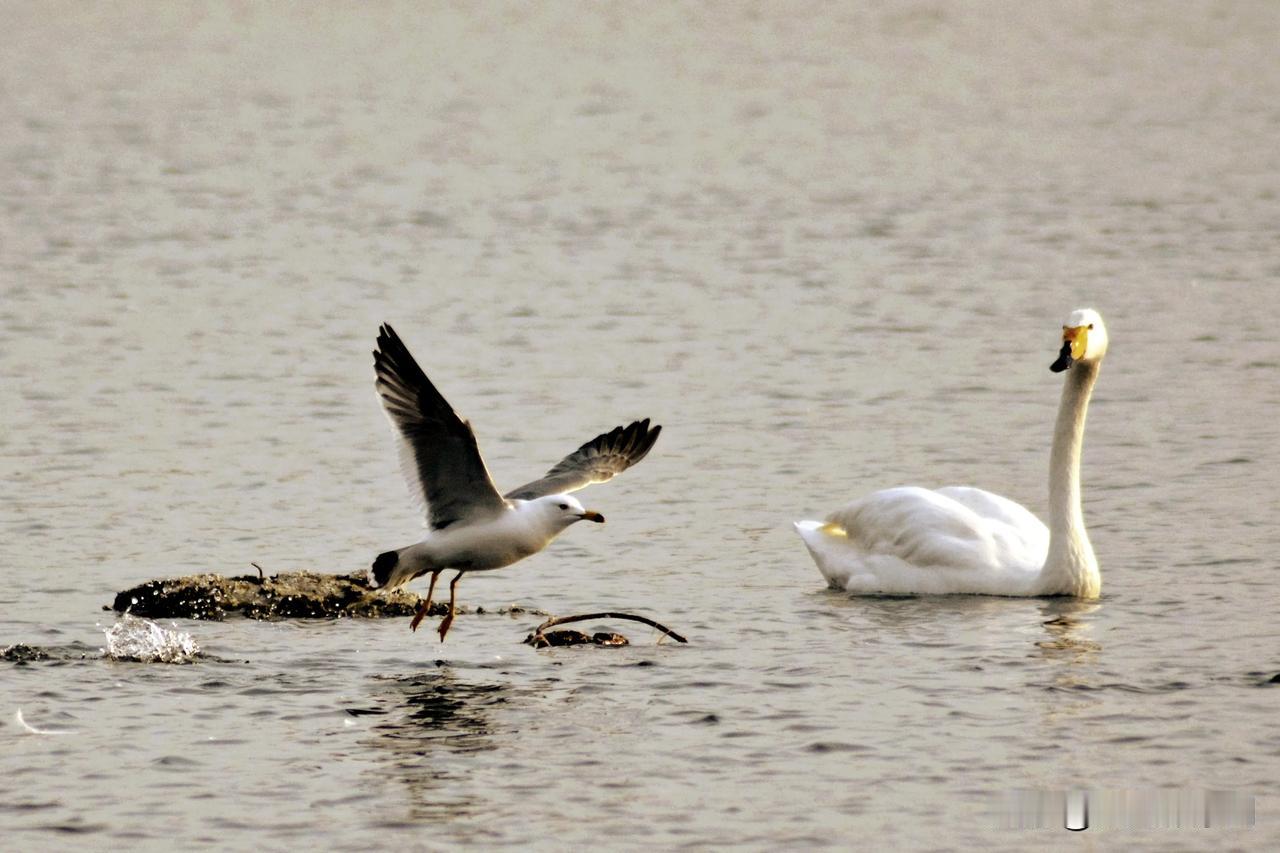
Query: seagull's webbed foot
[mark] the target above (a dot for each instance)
(424, 605)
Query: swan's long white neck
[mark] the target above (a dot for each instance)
(1070, 567)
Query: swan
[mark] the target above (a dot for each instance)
(958, 540)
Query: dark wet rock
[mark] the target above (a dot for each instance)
(1275, 679)
(288, 595)
(22, 653)
(570, 637)
(602, 638)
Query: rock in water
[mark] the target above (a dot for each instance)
(571, 637)
(22, 653)
(288, 595)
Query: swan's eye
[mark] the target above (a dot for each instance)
(564, 506)
(1090, 325)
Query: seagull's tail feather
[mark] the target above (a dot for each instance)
(396, 568)
(383, 568)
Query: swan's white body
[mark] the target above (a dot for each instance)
(958, 539)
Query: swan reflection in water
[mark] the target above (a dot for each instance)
(430, 726)
(1068, 631)
(1073, 656)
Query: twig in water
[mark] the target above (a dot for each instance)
(261, 576)
(564, 620)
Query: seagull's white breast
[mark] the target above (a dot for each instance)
(492, 543)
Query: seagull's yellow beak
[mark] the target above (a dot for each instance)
(1075, 342)
(592, 515)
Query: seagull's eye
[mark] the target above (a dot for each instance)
(564, 506)
(1090, 325)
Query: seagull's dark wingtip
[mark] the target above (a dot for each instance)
(644, 439)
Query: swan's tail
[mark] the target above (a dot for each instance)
(823, 539)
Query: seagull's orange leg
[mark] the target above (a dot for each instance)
(448, 617)
(426, 605)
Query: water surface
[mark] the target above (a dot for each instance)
(828, 250)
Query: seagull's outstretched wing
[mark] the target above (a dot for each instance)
(594, 462)
(438, 453)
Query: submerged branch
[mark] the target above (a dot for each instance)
(537, 635)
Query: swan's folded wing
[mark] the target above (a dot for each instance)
(926, 528)
(597, 461)
(438, 454)
(1015, 528)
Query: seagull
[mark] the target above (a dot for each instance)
(473, 528)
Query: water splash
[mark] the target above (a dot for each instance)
(137, 639)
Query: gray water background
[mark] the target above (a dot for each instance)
(828, 246)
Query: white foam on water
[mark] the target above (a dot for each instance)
(137, 639)
(30, 729)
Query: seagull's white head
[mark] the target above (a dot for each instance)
(1084, 339)
(563, 510)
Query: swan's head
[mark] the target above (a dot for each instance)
(563, 510)
(1084, 338)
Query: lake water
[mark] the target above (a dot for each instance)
(830, 250)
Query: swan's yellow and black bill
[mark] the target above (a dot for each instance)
(1075, 340)
(592, 515)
